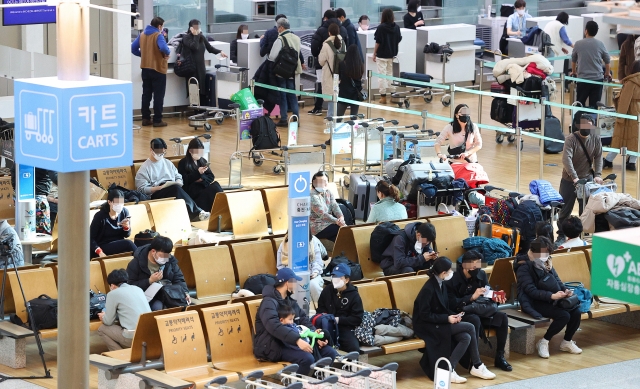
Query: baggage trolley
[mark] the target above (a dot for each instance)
(412, 90)
(254, 381)
(289, 376)
(414, 143)
(229, 80)
(346, 379)
(380, 378)
(585, 189)
(442, 58)
(210, 113)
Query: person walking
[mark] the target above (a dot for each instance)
(288, 101)
(387, 38)
(586, 62)
(151, 47)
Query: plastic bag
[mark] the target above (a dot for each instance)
(245, 98)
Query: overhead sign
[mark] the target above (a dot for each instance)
(70, 126)
(28, 15)
(26, 183)
(615, 265)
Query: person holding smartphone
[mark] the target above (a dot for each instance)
(199, 181)
(470, 292)
(111, 227)
(410, 251)
(444, 332)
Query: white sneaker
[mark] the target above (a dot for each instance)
(570, 347)
(204, 215)
(456, 379)
(543, 348)
(482, 372)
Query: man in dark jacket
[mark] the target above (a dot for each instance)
(271, 335)
(321, 35)
(154, 263)
(410, 251)
(269, 38)
(468, 286)
(352, 31)
(342, 300)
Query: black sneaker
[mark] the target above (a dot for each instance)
(282, 124)
(316, 112)
(606, 164)
(631, 166)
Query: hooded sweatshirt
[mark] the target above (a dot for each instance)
(388, 36)
(346, 307)
(8, 234)
(402, 253)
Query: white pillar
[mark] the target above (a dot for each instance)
(121, 43)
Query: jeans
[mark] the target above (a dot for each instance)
(288, 101)
(330, 233)
(591, 91)
(304, 359)
(560, 318)
(568, 193)
(179, 193)
(465, 335)
(116, 247)
(153, 85)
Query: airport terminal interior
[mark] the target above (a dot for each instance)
(460, 64)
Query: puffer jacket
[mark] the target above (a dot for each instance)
(545, 191)
(626, 133)
(522, 261)
(603, 203)
(401, 252)
(347, 306)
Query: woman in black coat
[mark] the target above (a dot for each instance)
(111, 227)
(351, 71)
(538, 280)
(468, 284)
(440, 327)
(199, 181)
(194, 43)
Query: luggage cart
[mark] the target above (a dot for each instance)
(413, 90)
(380, 378)
(209, 113)
(289, 376)
(254, 381)
(180, 148)
(585, 189)
(346, 379)
(414, 143)
(229, 80)
(443, 58)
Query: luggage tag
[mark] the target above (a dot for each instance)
(292, 139)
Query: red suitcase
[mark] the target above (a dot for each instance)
(498, 88)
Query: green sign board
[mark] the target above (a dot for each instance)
(615, 265)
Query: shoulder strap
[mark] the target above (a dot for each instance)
(584, 149)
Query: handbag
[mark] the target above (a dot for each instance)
(583, 294)
(363, 93)
(482, 306)
(44, 311)
(97, 304)
(569, 303)
(184, 66)
(144, 237)
(173, 296)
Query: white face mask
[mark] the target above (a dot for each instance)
(117, 208)
(448, 276)
(364, 27)
(337, 283)
(244, 36)
(419, 9)
(160, 260)
(520, 12)
(158, 157)
(197, 155)
(418, 247)
(543, 259)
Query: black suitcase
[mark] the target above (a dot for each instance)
(362, 192)
(501, 110)
(553, 129)
(348, 211)
(416, 77)
(209, 86)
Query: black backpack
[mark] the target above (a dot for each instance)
(524, 217)
(144, 237)
(256, 283)
(356, 270)
(97, 303)
(381, 238)
(501, 110)
(264, 134)
(348, 211)
(44, 311)
(286, 62)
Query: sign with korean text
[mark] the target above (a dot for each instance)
(299, 209)
(615, 265)
(70, 126)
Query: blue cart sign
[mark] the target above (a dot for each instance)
(70, 126)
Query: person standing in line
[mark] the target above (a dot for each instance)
(352, 32)
(151, 46)
(586, 62)
(333, 46)
(413, 18)
(387, 38)
(351, 72)
(288, 101)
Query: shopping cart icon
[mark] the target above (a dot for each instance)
(36, 125)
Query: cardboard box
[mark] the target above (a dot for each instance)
(7, 205)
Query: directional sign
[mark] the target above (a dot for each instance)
(70, 126)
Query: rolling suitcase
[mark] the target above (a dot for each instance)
(553, 129)
(416, 174)
(210, 90)
(362, 192)
(416, 77)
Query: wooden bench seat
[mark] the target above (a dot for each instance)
(243, 213)
(277, 203)
(215, 278)
(450, 232)
(171, 219)
(251, 258)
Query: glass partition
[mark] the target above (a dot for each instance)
(372, 8)
(232, 11)
(302, 14)
(178, 13)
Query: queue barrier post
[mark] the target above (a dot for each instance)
(562, 101)
(369, 75)
(542, 120)
(452, 92)
(623, 154)
(518, 156)
(424, 115)
(480, 89)
(252, 84)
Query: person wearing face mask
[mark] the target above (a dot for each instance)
(581, 159)
(413, 18)
(125, 304)
(352, 33)
(363, 23)
(326, 218)
(199, 182)
(342, 300)
(389, 207)
(410, 251)
(517, 22)
(159, 178)
(468, 285)
(242, 34)
(587, 60)
(538, 280)
(111, 227)
(317, 253)
(154, 263)
(444, 332)
(462, 135)
(272, 335)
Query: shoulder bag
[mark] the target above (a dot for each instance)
(482, 306)
(184, 66)
(173, 296)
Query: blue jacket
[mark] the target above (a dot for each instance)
(545, 191)
(150, 30)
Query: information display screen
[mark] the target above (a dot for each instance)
(38, 14)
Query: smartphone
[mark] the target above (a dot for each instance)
(460, 314)
(208, 163)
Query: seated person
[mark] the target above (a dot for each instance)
(468, 284)
(389, 207)
(125, 304)
(572, 228)
(341, 299)
(326, 217)
(199, 181)
(111, 227)
(154, 263)
(272, 336)
(286, 314)
(410, 251)
(156, 171)
(543, 229)
(538, 280)
(317, 252)
(442, 330)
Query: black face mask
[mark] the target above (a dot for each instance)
(474, 272)
(464, 118)
(585, 132)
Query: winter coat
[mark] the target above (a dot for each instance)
(139, 273)
(346, 306)
(535, 283)
(352, 36)
(8, 234)
(461, 288)
(431, 311)
(265, 75)
(545, 191)
(524, 299)
(621, 218)
(602, 203)
(627, 57)
(349, 88)
(401, 252)
(267, 40)
(271, 335)
(191, 174)
(325, 59)
(388, 36)
(628, 103)
(194, 47)
(105, 230)
(321, 35)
